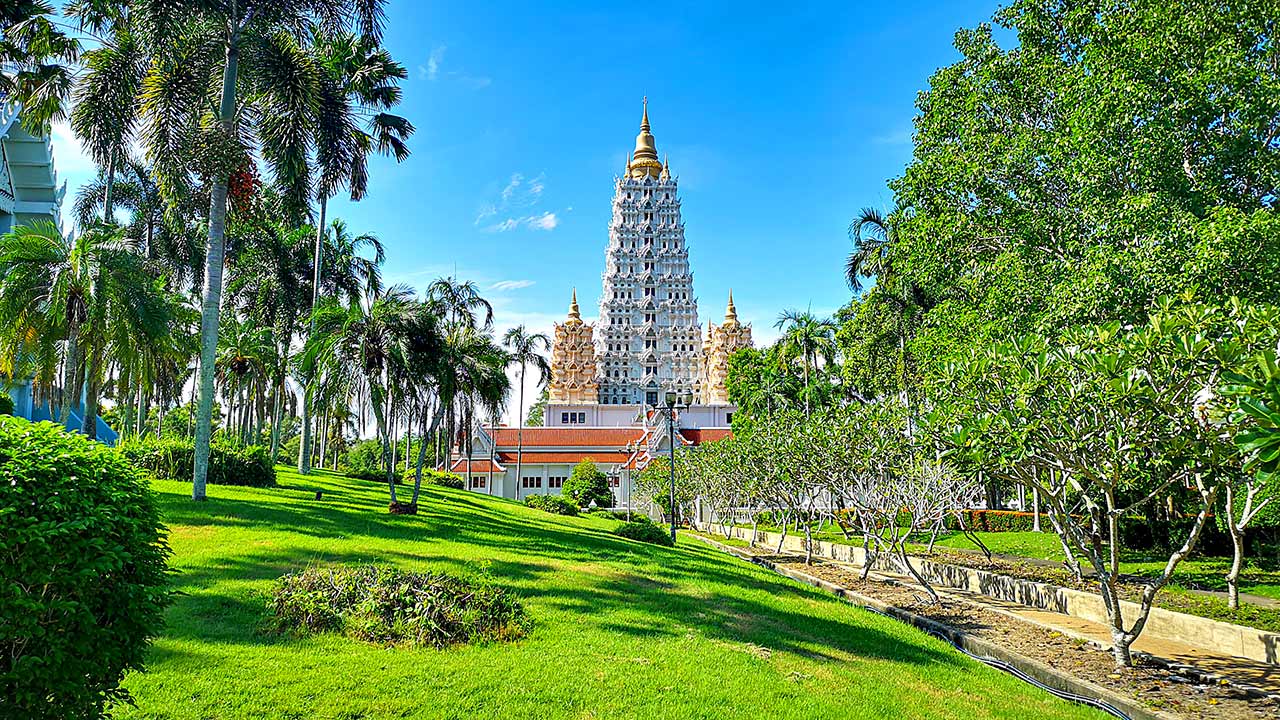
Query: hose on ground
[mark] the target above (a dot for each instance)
(1014, 671)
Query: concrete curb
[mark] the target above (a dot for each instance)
(1049, 676)
(1213, 635)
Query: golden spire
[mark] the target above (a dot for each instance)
(644, 160)
(731, 312)
(666, 167)
(574, 316)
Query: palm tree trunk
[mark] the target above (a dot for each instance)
(95, 355)
(520, 434)
(69, 390)
(213, 283)
(304, 456)
(275, 422)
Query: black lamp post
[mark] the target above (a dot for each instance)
(674, 404)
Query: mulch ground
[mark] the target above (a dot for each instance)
(1148, 684)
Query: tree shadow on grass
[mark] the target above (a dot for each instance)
(580, 575)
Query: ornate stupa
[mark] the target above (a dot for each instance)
(649, 337)
(721, 342)
(573, 361)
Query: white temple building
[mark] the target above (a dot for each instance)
(609, 380)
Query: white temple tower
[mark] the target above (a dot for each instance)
(648, 339)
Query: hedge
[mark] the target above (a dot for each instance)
(83, 585)
(552, 504)
(433, 477)
(645, 531)
(229, 464)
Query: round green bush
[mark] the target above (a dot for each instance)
(391, 607)
(552, 504)
(83, 584)
(645, 531)
(587, 484)
(365, 461)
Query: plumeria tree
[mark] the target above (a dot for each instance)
(1103, 424)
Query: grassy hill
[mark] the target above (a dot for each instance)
(622, 629)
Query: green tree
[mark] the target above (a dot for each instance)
(358, 82)
(260, 55)
(588, 483)
(1110, 156)
(809, 338)
(524, 349)
(50, 287)
(537, 411)
(353, 348)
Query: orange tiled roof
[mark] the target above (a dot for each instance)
(480, 465)
(700, 435)
(567, 436)
(602, 457)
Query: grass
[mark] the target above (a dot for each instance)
(622, 629)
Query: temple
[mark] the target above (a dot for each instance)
(609, 381)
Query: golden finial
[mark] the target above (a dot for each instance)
(730, 312)
(574, 315)
(644, 160)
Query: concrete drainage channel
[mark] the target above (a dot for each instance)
(1033, 672)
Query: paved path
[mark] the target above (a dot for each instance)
(1249, 672)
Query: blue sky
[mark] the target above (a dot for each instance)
(780, 122)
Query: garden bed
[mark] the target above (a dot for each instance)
(1148, 684)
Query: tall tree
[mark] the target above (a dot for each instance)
(811, 339)
(354, 348)
(278, 77)
(359, 82)
(526, 349)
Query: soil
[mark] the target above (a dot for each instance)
(1147, 684)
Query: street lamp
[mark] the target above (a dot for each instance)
(672, 405)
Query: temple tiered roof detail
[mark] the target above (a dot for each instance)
(573, 360)
(720, 343)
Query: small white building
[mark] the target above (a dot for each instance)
(514, 463)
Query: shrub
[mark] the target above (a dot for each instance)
(83, 582)
(6, 404)
(229, 464)
(390, 607)
(364, 461)
(645, 531)
(435, 477)
(552, 504)
(588, 483)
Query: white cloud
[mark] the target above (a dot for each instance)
(515, 202)
(545, 221)
(512, 187)
(433, 62)
(506, 285)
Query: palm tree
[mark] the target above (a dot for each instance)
(873, 234)
(357, 83)
(181, 145)
(36, 62)
(349, 274)
(51, 286)
(526, 348)
(353, 347)
(459, 302)
(809, 337)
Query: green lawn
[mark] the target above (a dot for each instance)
(621, 629)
